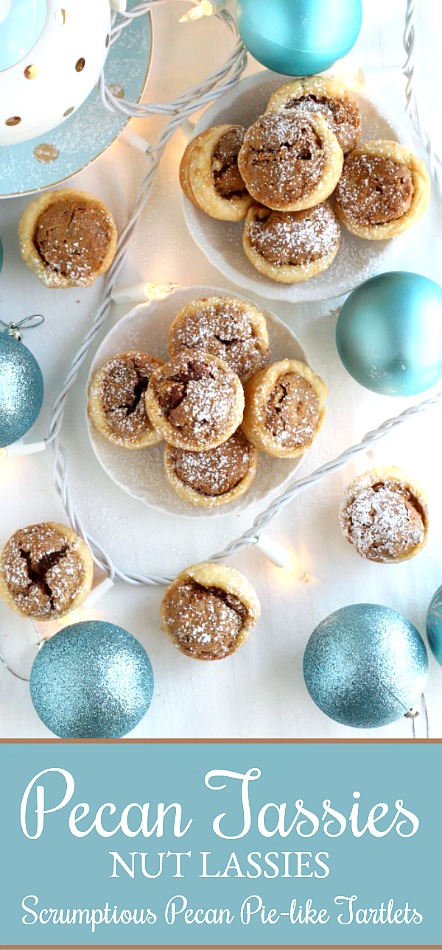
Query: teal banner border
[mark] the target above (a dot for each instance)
(174, 770)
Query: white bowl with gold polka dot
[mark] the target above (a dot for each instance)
(51, 55)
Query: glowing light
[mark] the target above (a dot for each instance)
(136, 293)
(204, 8)
(276, 553)
(22, 448)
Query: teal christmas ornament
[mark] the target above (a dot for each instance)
(389, 334)
(365, 665)
(434, 624)
(21, 386)
(93, 680)
(299, 37)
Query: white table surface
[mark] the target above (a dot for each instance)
(259, 692)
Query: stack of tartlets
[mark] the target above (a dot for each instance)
(297, 173)
(214, 403)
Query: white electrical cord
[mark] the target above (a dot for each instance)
(189, 102)
(412, 106)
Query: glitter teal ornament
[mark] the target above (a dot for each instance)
(21, 383)
(365, 665)
(389, 334)
(93, 680)
(299, 37)
(434, 624)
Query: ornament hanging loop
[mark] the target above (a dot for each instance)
(415, 712)
(28, 323)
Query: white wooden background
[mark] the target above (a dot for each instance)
(259, 692)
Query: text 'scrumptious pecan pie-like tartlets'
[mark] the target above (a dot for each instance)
(290, 160)
(213, 478)
(209, 173)
(384, 515)
(116, 400)
(195, 401)
(45, 571)
(285, 408)
(67, 237)
(209, 610)
(291, 246)
(325, 95)
(384, 189)
(227, 327)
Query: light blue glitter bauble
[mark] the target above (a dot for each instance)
(93, 680)
(21, 389)
(434, 624)
(389, 334)
(299, 37)
(365, 665)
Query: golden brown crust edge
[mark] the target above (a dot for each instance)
(200, 500)
(421, 191)
(196, 178)
(83, 552)
(29, 252)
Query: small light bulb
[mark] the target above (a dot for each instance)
(276, 552)
(136, 293)
(204, 8)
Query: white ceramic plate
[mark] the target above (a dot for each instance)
(140, 473)
(221, 241)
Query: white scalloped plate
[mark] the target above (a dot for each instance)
(140, 473)
(221, 241)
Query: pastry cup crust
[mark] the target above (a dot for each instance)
(98, 416)
(333, 161)
(29, 252)
(252, 314)
(77, 545)
(283, 273)
(199, 499)
(324, 88)
(212, 575)
(419, 202)
(171, 433)
(257, 392)
(396, 477)
(197, 180)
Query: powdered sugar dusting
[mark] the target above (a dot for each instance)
(294, 238)
(204, 622)
(42, 571)
(282, 158)
(383, 521)
(226, 327)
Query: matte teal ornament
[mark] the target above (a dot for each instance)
(434, 625)
(365, 665)
(21, 389)
(93, 680)
(299, 37)
(389, 334)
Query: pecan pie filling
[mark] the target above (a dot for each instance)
(374, 189)
(197, 396)
(122, 394)
(292, 410)
(204, 622)
(383, 521)
(226, 175)
(343, 117)
(294, 238)
(216, 471)
(72, 237)
(283, 156)
(42, 571)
